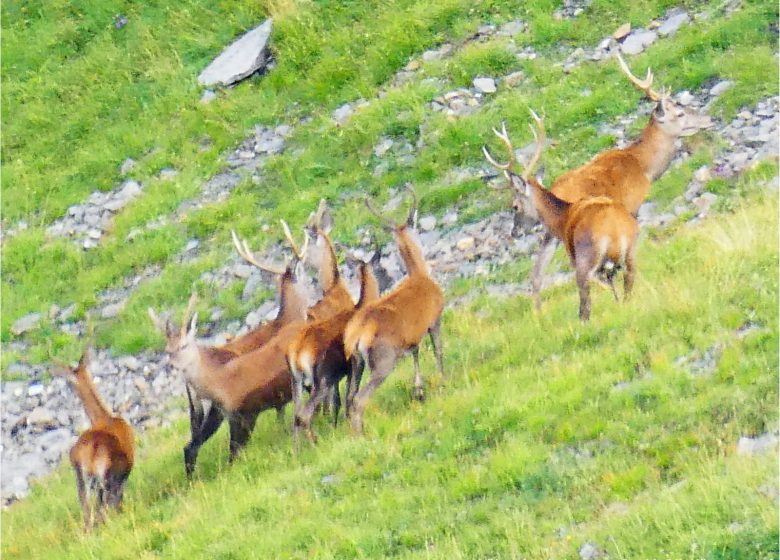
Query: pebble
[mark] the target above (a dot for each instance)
(427, 223)
(673, 23)
(638, 41)
(465, 244)
(485, 85)
(25, 324)
(760, 445)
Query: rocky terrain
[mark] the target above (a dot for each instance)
(41, 417)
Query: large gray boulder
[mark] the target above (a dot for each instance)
(245, 56)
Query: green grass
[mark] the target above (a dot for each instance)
(545, 434)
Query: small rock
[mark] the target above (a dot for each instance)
(329, 479)
(192, 244)
(514, 79)
(383, 146)
(465, 244)
(35, 389)
(512, 28)
(120, 21)
(253, 319)
(168, 173)
(141, 384)
(450, 218)
(245, 56)
(622, 31)
(25, 324)
(342, 114)
(427, 223)
(702, 174)
(413, 65)
(720, 87)
(127, 166)
(129, 189)
(113, 309)
(673, 23)
(685, 98)
(40, 417)
(128, 362)
(757, 446)
(588, 551)
(485, 85)
(638, 41)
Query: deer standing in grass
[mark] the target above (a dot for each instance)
(292, 304)
(621, 174)
(316, 357)
(598, 232)
(103, 456)
(381, 332)
(241, 386)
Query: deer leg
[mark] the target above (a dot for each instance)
(419, 388)
(280, 414)
(543, 258)
(100, 502)
(241, 426)
(318, 396)
(207, 429)
(381, 361)
(583, 257)
(335, 401)
(435, 333)
(629, 274)
(357, 365)
(81, 488)
(116, 485)
(196, 409)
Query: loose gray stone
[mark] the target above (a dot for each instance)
(465, 244)
(383, 146)
(485, 85)
(40, 417)
(588, 551)
(113, 309)
(208, 96)
(25, 324)
(512, 28)
(514, 79)
(720, 87)
(242, 58)
(638, 41)
(342, 114)
(757, 446)
(168, 173)
(673, 23)
(427, 223)
(127, 166)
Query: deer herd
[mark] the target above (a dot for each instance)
(310, 349)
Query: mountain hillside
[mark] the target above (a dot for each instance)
(650, 432)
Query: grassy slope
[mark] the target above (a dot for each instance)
(531, 449)
(142, 102)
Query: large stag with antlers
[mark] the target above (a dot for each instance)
(381, 332)
(240, 386)
(623, 175)
(598, 232)
(103, 456)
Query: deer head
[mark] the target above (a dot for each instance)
(671, 117)
(180, 344)
(522, 203)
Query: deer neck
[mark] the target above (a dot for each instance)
(94, 405)
(369, 287)
(411, 253)
(551, 209)
(654, 150)
(292, 303)
(329, 269)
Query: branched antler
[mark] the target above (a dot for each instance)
(503, 136)
(246, 254)
(643, 85)
(300, 254)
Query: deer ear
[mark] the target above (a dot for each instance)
(540, 175)
(660, 110)
(193, 326)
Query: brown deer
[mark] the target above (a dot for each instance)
(103, 456)
(598, 232)
(381, 332)
(291, 305)
(316, 357)
(621, 174)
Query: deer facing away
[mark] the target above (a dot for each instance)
(103, 455)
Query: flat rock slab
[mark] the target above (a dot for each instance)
(245, 56)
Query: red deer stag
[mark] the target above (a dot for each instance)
(381, 332)
(316, 357)
(239, 387)
(103, 455)
(599, 233)
(621, 174)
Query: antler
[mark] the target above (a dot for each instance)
(186, 318)
(539, 138)
(300, 254)
(411, 218)
(375, 212)
(643, 85)
(246, 254)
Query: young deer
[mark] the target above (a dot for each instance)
(316, 357)
(102, 457)
(381, 332)
(599, 233)
(623, 175)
